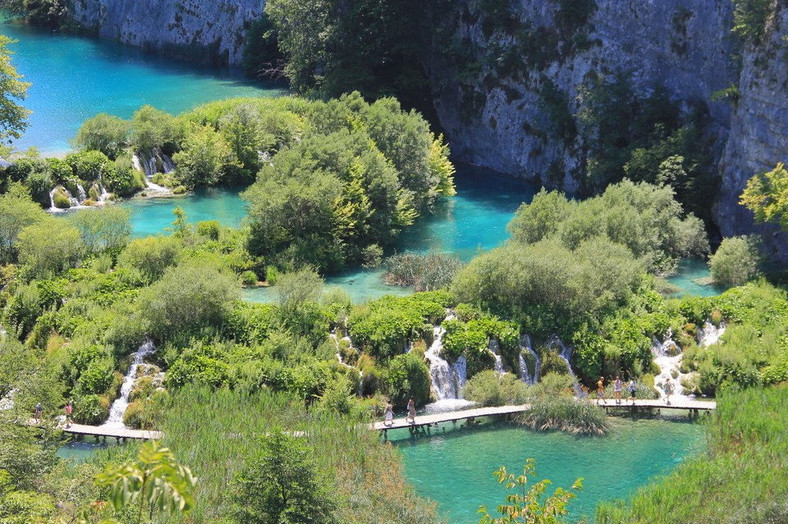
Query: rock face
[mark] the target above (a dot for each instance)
(683, 45)
(197, 30)
(758, 132)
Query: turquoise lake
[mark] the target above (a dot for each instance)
(75, 78)
(455, 469)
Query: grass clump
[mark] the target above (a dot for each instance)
(489, 388)
(564, 413)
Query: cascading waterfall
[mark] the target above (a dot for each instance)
(494, 349)
(710, 334)
(564, 351)
(120, 404)
(447, 379)
(527, 376)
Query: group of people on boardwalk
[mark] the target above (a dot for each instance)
(67, 409)
(388, 416)
(618, 385)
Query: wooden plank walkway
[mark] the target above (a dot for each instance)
(117, 433)
(465, 414)
(690, 405)
(451, 416)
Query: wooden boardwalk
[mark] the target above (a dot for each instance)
(118, 433)
(451, 416)
(693, 406)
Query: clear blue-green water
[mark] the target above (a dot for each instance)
(74, 78)
(455, 469)
(687, 276)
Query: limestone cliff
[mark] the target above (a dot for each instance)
(208, 32)
(680, 44)
(758, 132)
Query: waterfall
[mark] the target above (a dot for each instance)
(527, 376)
(710, 334)
(668, 356)
(494, 349)
(7, 401)
(447, 379)
(565, 352)
(82, 194)
(118, 407)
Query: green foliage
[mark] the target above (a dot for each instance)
(90, 409)
(105, 229)
(87, 166)
(105, 133)
(155, 479)
(282, 484)
(766, 195)
(408, 376)
(261, 52)
(122, 179)
(346, 190)
(526, 504)
(189, 297)
(152, 128)
(384, 327)
(644, 218)
(489, 388)
(150, 256)
(17, 211)
(209, 229)
(564, 413)
(749, 19)
(204, 158)
(735, 262)
(12, 115)
(48, 247)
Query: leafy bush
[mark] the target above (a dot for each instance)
(248, 278)
(735, 262)
(424, 272)
(209, 229)
(407, 376)
(90, 409)
(489, 388)
(60, 199)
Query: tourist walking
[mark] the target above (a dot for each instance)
(411, 411)
(617, 385)
(668, 390)
(388, 417)
(39, 410)
(600, 390)
(632, 389)
(68, 409)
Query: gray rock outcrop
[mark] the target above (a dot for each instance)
(197, 30)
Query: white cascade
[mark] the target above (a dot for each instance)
(667, 355)
(82, 194)
(148, 166)
(525, 375)
(494, 349)
(120, 404)
(447, 379)
(564, 351)
(710, 334)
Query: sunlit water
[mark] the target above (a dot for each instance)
(74, 78)
(455, 469)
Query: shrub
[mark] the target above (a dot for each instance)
(248, 278)
(91, 409)
(489, 388)
(735, 262)
(408, 376)
(209, 229)
(60, 199)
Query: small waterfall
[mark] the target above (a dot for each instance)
(710, 334)
(495, 349)
(527, 375)
(82, 195)
(360, 387)
(7, 402)
(447, 380)
(565, 352)
(668, 356)
(118, 407)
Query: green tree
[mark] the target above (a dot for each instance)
(17, 211)
(203, 158)
(735, 262)
(525, 504)
(297, 288)
(106, 133)
(104, 229)
(749, 19)
(12, 115)
(281, 484)
(49, 247)
(155, 480)
(408, 376)
(766, 195)
(189, 297)
(151, 256)
(152, 128)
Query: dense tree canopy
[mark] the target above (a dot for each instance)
(766, 195)
(12, 90)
